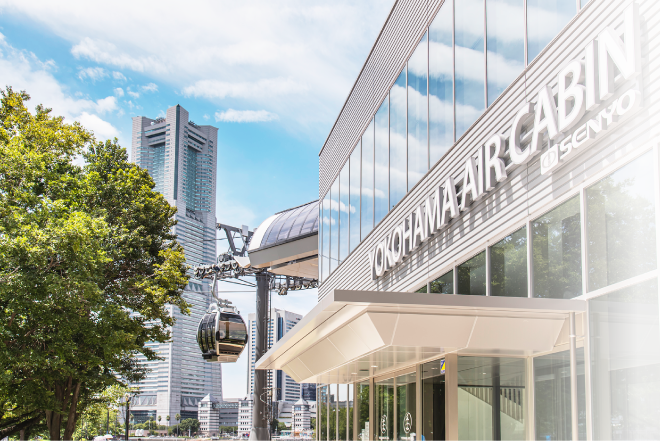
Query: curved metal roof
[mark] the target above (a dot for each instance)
(291, 224)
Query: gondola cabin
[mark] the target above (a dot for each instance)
(221, 335)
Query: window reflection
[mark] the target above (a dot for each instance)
(384, 410)
(367, 218)
(443, 284)
(334, 225)
(470, 63)
(625, 363)
(552, 396)
(491, 398)
(556, 245)
(362, 403)
(325, 264)
(621, 224)
(343, 212)
(545, 18)
(441, 83)
(508, 265)
(418, 154)
(472, 276)
(505, 31)
(382, 162)
(354, 197)
(398, 176)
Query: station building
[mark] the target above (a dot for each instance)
(488, 237)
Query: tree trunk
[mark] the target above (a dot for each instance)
(54, 422)
(21, 435)
(73, 416)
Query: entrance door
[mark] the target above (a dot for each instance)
(433, 400)
(384, 410)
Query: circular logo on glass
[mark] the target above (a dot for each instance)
(407, 423)
(383, 424)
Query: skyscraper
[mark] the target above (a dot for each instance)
(280, 323)
(181, 157)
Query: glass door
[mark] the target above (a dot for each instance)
(406, 396)
(433, 400)
(384, 409)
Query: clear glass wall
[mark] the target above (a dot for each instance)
(625, 363)
(491, 398)
(472, 276)
(384, 409)
(406, 411)
(344, 189)
(508, 265)
(362, 403)
(467, 57)
(433, 400)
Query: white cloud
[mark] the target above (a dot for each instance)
(133, 94)
(206, 117)
(119, 92)
(242, 116)
(151, 87)
(93, 73)
(24, 71)
(118, 76)
(298, 59)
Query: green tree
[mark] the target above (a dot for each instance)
(88, 264)
(189, 424)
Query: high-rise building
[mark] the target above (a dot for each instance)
(280, 323)
(181, 157)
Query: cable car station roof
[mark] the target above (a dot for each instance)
(352, 335)
(287, 242)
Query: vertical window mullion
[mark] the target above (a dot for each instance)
(525, 22)
(485, 59)
(530, 263)
(583, 240)
(488, 269)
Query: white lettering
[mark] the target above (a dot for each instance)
(517, 155)
(590, 78)
(469, 183)
(406, 237)
(397, 244)
(573, 92)
(625, 55)
(545, 119)
(494, 162)
(419, 231)
(633, 97)
(449, 201)
(379, 259)
(432, 213)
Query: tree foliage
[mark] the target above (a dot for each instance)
(88, 268)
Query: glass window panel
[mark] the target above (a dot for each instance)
(472, 276)
(362, 402)
(323, 412)
(433, 400)
(621, 224)
(351, 403)
(557, 260)
(625, 363)
(398, 162)
(441, 83)
(583, 3)
(384, 410)
(382, 161)
(505, 41)
(508, 265)
(470, 63)
(332, 427)
(341, 426)
(367, 218)
(545, 18)
(480, 379)
(406, 395)
(326, 237)
(443, 284)
(355, 196)
(552, 396)
(334, 225)
(343, 211)
(418, 146)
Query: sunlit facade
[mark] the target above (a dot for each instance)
(181, 157)
(488, 237)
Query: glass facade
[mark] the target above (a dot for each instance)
(621, 224)
(362, 403)
(433, 400)
(508, 265)
(384, 409)
(472, 276)
(471, 52)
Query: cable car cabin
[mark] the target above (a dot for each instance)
(221, 336)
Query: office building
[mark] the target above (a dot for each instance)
(495, 275)
(280, 323)
(229, 412)
(245, 407)
(181, 158)
(208, 414)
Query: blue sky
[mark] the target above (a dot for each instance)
(271, 75)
